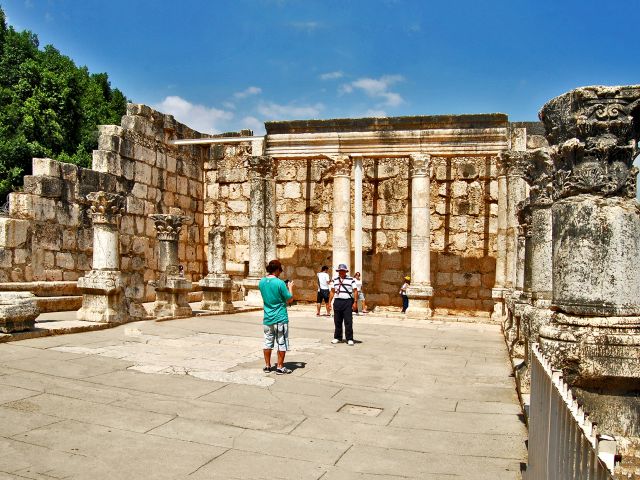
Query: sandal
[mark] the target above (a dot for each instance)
(283, 371)
(266, 369)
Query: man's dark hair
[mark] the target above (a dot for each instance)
(274, 266)
(324, 268)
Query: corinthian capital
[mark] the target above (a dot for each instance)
(512, 163)
(594, 133)
(260, 166)
(168, 226)
(341, 165)
(420, 164)
(105, 207)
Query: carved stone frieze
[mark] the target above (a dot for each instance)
(420, 164)
(168, 226)
(106, 208)
(594, 131)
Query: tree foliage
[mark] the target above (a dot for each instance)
(48, 106)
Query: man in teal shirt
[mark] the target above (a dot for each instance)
(275, 296)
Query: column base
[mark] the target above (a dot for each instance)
(18, 312)
(592, 348)
(103, 299)
(172, 298)
(253, 296)
(499, 310)
(420, 301)
(216, 293)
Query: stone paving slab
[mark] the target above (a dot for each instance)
(187, 399)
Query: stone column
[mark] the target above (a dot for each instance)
(342, 211)
(262, 213)
(497, 293)
(420, 292)
(172, 289)
(216, 286)
(594, 335)
(103, 298)
(357, 215)
(516, 193)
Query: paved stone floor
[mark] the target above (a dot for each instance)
(187, 399)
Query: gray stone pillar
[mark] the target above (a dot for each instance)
(103, 298)
(262, 223)
(516, 193)
(216, 286)
(497, 293)
(420, 292)
(172, 289)
(342, 211)
(594, 335)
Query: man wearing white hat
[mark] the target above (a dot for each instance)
(343, 293)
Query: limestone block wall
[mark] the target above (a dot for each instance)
(48, 235)
(463, 223)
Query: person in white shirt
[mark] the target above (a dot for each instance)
(357, 278)
(344, 291)
(323, 290)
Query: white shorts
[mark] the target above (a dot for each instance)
(276, 335)
(360, 296)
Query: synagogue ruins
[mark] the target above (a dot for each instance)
(533, 225)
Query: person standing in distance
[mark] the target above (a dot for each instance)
(358, 279)
(323, 290)
(343, 292)
(403, 294)
(275, 296)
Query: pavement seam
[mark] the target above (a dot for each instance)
(335, 464)
(207, 463)
(158, 426)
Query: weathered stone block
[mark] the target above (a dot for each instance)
(50, 187)
(45, 167)
(13, 232)
(108, 161)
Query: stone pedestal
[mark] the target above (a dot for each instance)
(18, 311)
(420, 292)
(594, 333)
(172, 290)
(216, 286)
(103, 287)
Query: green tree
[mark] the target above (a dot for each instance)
(48, 106)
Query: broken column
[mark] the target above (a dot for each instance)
(420, 292)
(594, 335)
(262, 212)
(216, 286)
(103, 296)
(18, 311)
(172, 289)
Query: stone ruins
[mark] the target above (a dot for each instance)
(534, 225)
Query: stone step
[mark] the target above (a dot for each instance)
(59, 304)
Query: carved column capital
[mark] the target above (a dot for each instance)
(420, 164)
(538, 173)
(168, 226)
(260, 166)
(524, 213)
(106, 208)
(512, 163)
(594, 133)
(341, 165)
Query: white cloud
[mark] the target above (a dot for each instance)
(274, 111)
(248, 92)
(331, 75)
(229, 105)
(199, 117)
(308, 27)
(376, 88)
(254, 124)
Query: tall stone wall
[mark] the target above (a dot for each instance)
(463, 223)
(48, 235)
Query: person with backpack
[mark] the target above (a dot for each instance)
(343, 293)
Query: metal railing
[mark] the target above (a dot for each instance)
(563, 444)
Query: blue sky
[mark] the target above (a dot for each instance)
(226, 65)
